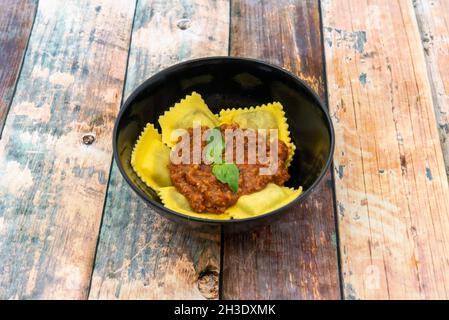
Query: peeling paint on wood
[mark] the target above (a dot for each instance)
(140, 254)
(16, 21)
(296, 257)
(433, 21)
(52, 185)
(394, 233)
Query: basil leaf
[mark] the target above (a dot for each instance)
(227, 173)
(224, 172)
(215, 146)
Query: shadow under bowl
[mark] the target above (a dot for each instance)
(226, 82)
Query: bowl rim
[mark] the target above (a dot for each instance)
(161, 74)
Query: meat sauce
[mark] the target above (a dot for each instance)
(206, 194)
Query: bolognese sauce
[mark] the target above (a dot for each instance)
(205, 193)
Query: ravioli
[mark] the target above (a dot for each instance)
(270, 198)
(151, 155)
(150, 159)
(175, 201)
(266, 116)
(190, 112)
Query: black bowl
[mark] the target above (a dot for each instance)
(229, 82)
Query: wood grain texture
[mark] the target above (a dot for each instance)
(52, 185)
(295, 258)
(392, 192)
(433, 22)
(140, 254)
(16, 21)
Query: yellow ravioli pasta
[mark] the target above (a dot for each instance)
(151, 155)
(188, 113)
(150, 159)
(267, 116)
(268, 199)
(175, 201)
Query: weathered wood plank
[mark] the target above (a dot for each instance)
(296, 257)
(140, 254)
(433, 21)
(16, 21)
(392, 192)
(52, 185)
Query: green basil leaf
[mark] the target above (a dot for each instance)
(215, 146)
(227, 173)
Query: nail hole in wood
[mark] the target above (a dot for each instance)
(183, 24)
(208, 283)
(88, 139)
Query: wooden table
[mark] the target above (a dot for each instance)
(377, 227)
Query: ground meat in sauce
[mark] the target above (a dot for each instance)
(206, 194)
